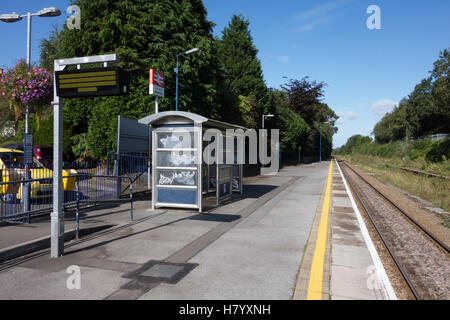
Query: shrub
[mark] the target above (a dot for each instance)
(439, 151)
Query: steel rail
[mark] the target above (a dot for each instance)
(418, 172)
(440, 244)
(387, 246)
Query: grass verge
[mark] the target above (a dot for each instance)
(436, 191)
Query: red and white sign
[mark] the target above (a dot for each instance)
(156, 81)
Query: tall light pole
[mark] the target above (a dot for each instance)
(176, 72)
(14, 17)
(320, 145)
(265, 116)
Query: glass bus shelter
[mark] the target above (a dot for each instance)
(181, 178)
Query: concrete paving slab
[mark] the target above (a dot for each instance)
(352, 283)
(341, 202)
(95, 284)
(351, 256)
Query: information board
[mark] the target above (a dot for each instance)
(94, 82)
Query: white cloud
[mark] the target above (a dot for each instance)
(346, 116)
(322, 9)
(316, 23)
(319, 15)
(282, 59)
(383, 106)
(351, 115)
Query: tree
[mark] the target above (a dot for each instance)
(425, 111)
(241, 69)
(392, 126)
(293, 129)
(428, 105)
(305, 99)
(49, 49)
(145, 34)
(353, 142)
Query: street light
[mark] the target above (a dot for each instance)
(320, 151)
(10, 17)
(176, 72)
(266, 116)
(49, 12)
(14, 17)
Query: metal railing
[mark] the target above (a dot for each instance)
(131, 165)
(433, 138)
(79, 189)
(109, 195)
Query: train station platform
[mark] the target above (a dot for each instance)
(341, 262)
(262, 245)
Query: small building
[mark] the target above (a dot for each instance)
(181, 178)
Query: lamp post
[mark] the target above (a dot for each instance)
(176, 72)
(265, 116)
(10, 18)
(320, 145)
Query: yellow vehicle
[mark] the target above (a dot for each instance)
(12, 169)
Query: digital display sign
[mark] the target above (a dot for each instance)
(95, 82)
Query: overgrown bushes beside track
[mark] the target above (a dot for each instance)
(421, 154)
(385, 161)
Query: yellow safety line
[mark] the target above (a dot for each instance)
(316, 274)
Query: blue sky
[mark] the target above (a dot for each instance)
(367, 71)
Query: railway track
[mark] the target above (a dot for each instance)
(422, 259)
(415, 171)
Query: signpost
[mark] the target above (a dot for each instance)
(28, 161)
(156, 86)
(77, 83)
(28, 149)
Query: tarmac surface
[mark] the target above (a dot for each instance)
(249, 248)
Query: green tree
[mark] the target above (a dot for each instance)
(241, 70)
(425, 111)
(305, 99)
(145, 34)
(293, 129)
(428, 106)
(353, 142)
(49, 49)
(392, 126)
